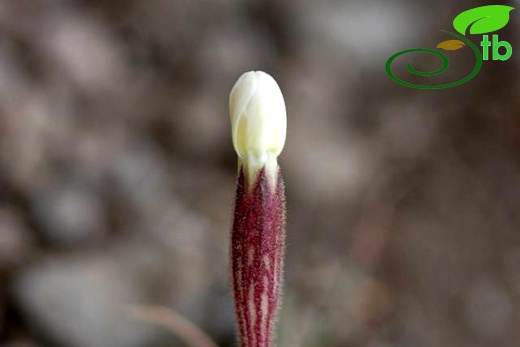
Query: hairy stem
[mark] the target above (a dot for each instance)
(257, 252)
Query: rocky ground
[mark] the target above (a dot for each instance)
(117, 174)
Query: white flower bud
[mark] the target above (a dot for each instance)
(258, 120)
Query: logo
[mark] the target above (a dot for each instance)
(479, 20)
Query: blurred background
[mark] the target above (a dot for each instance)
(117, 173)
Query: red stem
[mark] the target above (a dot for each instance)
(257, 252)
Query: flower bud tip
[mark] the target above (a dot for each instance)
(258, 122)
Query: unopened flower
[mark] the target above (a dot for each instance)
(258, 123)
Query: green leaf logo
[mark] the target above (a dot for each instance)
(484, 19)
